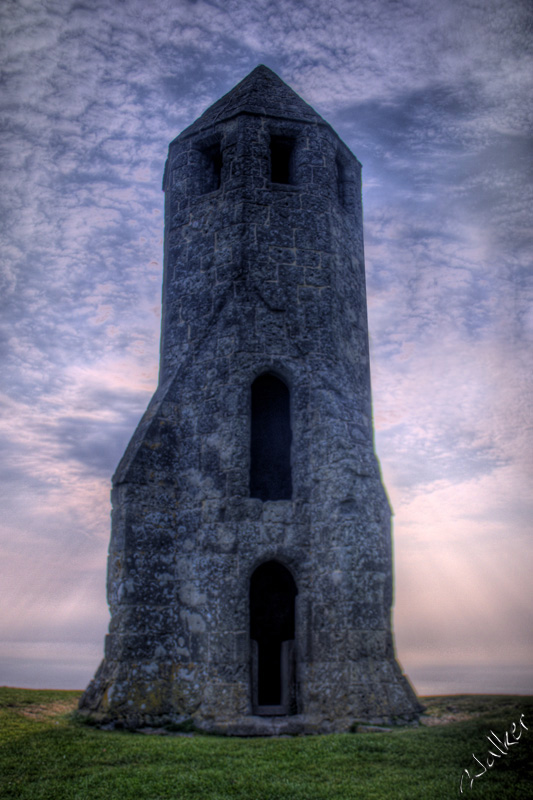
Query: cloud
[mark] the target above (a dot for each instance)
(463, 600)
(434, 99)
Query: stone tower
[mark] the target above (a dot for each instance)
(250, 564)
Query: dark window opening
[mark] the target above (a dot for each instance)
(211, 168)
(270, 441)
(281, 161)
(272, 631)
(341, 181)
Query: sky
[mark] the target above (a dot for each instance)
(434, 97)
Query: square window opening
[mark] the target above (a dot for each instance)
(341, 181)
(281, 160)
(211, 168)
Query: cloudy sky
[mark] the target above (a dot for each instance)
(434, 98)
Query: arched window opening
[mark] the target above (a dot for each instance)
(272, 633)
(270, 441)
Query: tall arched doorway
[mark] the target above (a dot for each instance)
(272, 633)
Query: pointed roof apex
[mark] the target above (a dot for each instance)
(262, 92)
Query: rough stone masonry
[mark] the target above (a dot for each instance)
(250, 563)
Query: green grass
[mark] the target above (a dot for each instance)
(47, 753)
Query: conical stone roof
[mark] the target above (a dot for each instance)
(262, 92)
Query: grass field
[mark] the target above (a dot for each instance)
(46, 752)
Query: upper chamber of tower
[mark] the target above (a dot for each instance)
(263, 234)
